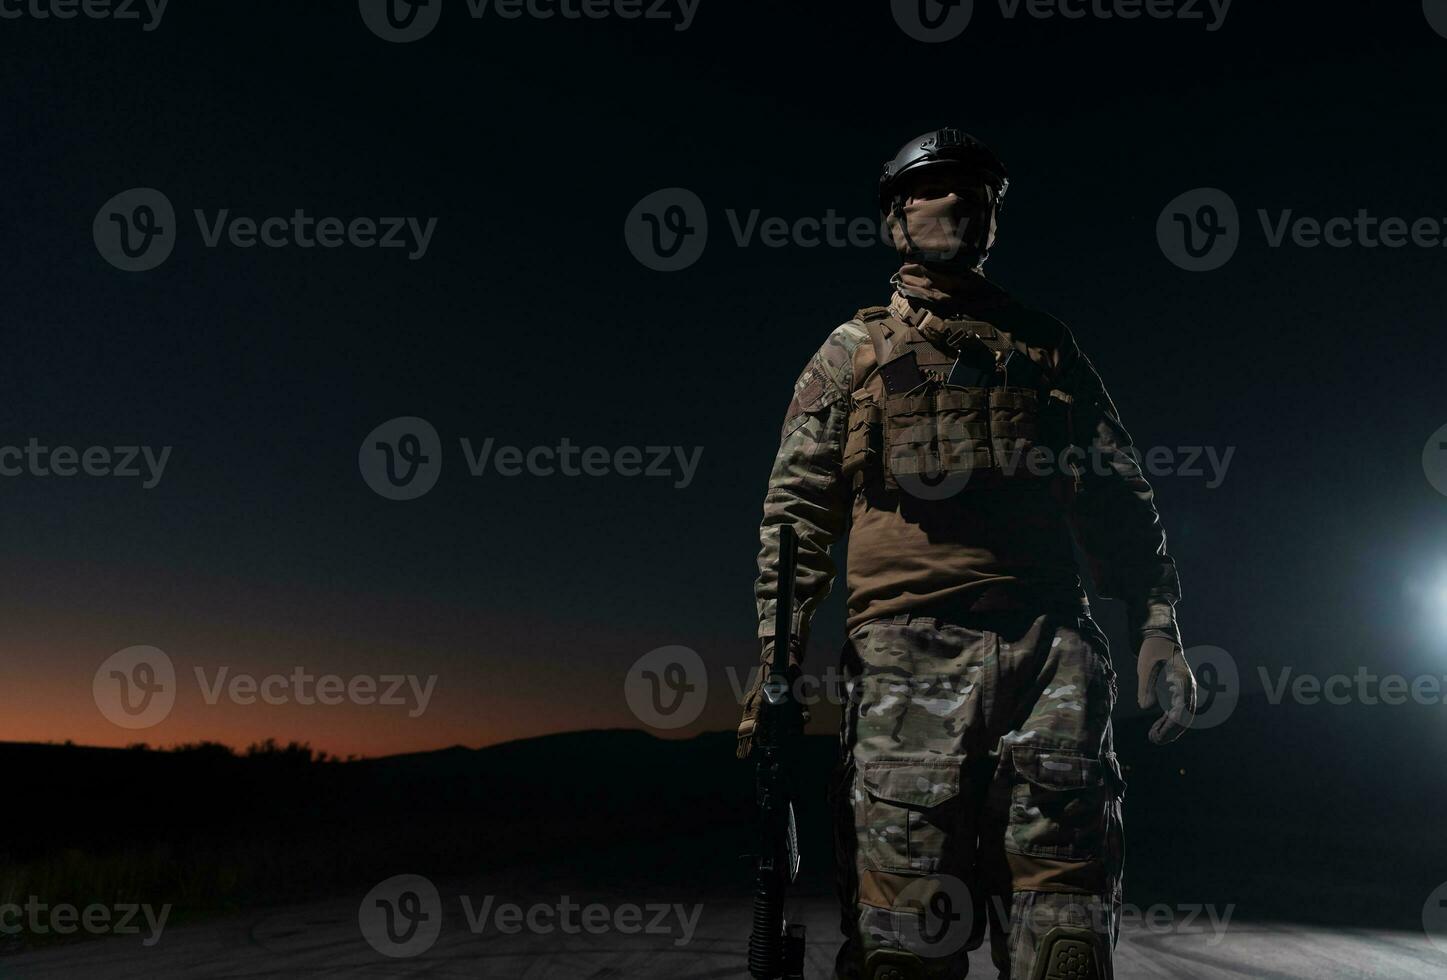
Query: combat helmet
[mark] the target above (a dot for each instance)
(948, 147)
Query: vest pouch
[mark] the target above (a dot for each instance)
(935, 431)
(963, 420)
(1014, 428)
(862, 443)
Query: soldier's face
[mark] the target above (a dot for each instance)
(933, 184)
(956, 203)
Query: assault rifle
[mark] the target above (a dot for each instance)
(776, 948)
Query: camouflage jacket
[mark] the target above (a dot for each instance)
(1111, 513)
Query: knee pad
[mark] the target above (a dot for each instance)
(1069, 953)
(893, 964)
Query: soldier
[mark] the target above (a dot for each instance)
(963, 439)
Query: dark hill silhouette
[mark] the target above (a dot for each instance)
(1284, 811)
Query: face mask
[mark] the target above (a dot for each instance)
(943, 231)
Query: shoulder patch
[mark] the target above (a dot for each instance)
(828, 375)
(836, 357)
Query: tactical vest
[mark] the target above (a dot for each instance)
(963, 408)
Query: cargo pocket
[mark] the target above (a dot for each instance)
(1061, 805)
(908, 808)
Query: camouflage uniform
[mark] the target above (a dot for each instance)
(978, 764)
(976, 758)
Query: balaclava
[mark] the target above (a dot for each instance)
(943, 241)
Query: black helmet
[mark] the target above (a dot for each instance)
(943, 147)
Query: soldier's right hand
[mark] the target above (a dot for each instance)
(748, 726)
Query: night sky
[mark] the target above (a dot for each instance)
(528, 321)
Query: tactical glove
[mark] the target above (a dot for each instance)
(749, 725)
(1162, 656)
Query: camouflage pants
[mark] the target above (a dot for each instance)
(978, 792)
